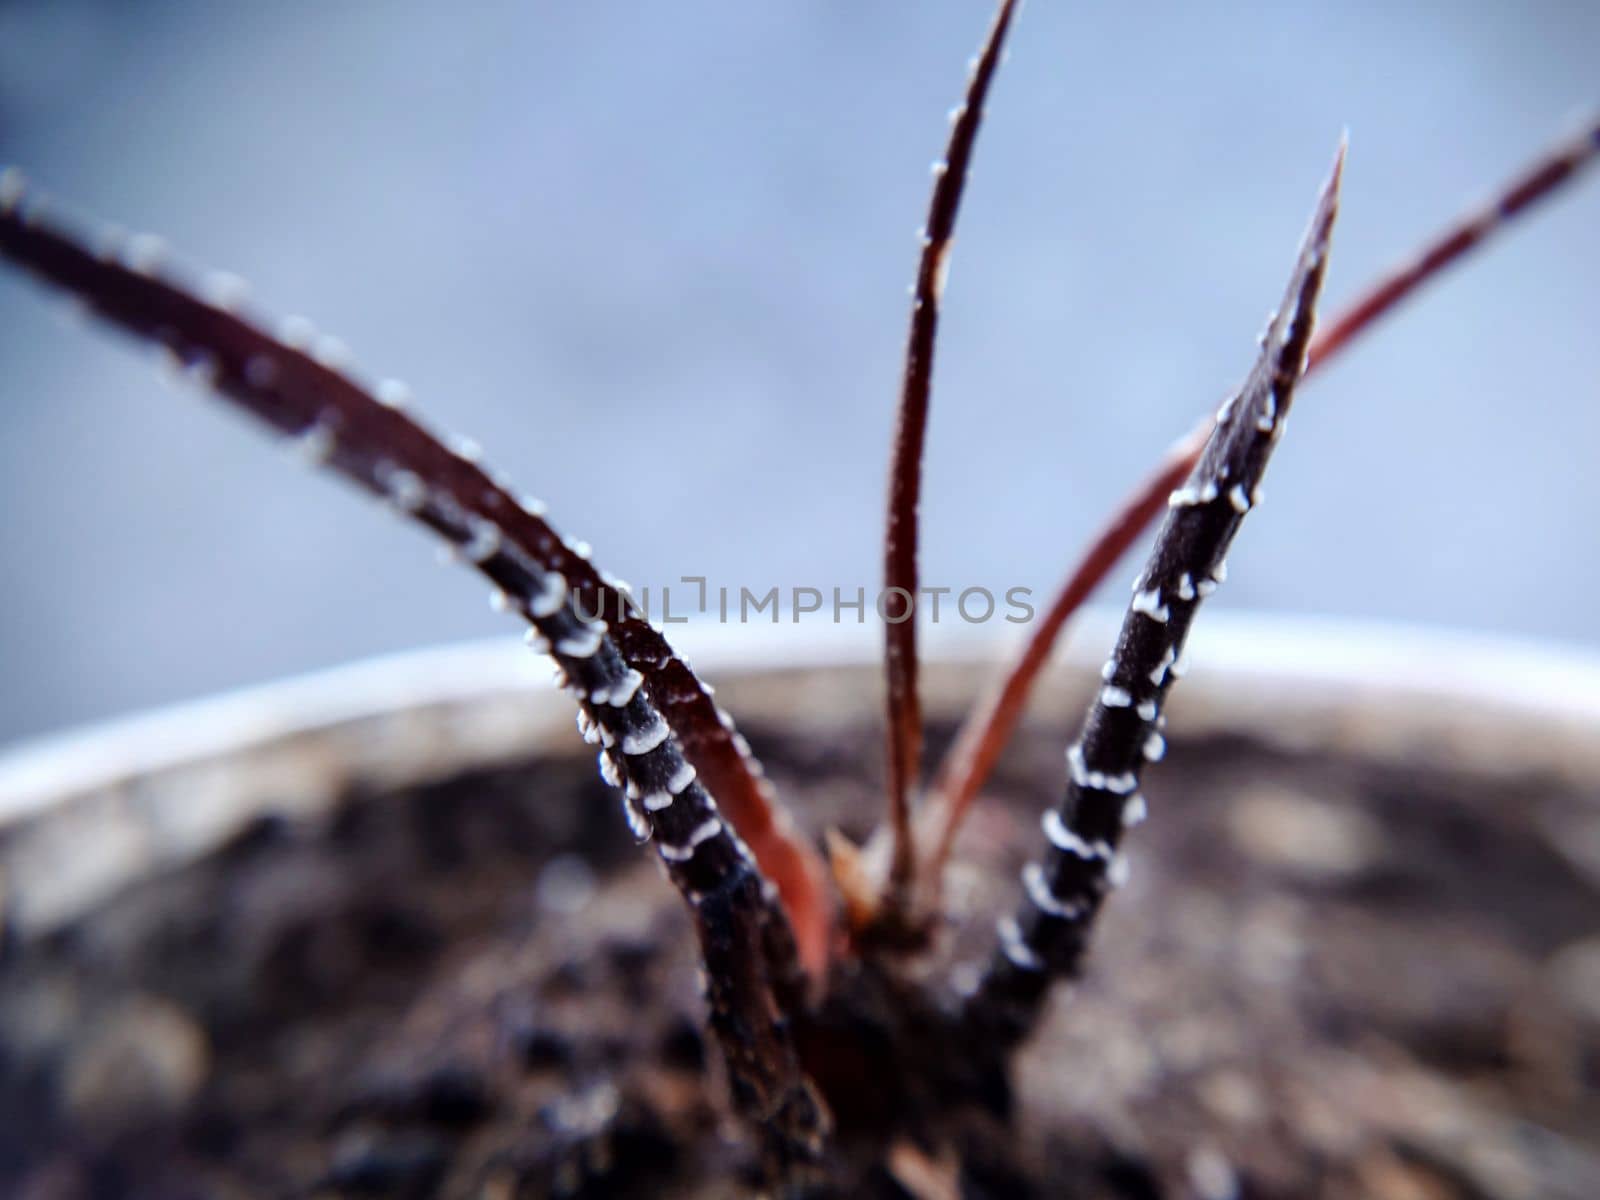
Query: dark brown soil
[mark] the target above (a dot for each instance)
(1326, 979)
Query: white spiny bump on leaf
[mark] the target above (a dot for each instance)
(296, 332)
(405, 490)
(1046, 901)
(316, 443)
(1237, 498)
(1147, 710)
(1077, 769)
(484, 542)
(1117, 872)
(1015, 948)
(224, 291)
(584, 642)
(392, 393)
(638, 824)
(1155, 747)
(1115, 697)
(621, 693)
(552, 594)
(642, 741)
(1064, 839)
(1149, 603)
(1119, 785)
(1134, 811)
(702, 833)
(143, 253)
(328, 351)
(681, 779)
(706, 831)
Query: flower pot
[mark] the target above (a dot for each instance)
(380, 931)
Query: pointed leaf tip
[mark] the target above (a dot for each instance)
(1328, 200)
(1290, 327)
(1327, 209)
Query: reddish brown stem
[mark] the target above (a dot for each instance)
(993, 720)
(904, 708)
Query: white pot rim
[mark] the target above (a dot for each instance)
(134, 794)
(1316, 655)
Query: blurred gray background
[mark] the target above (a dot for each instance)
(654, 257)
